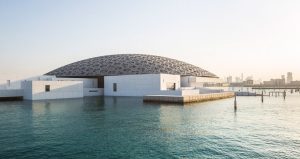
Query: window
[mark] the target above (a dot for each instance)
(47, 88)
(115, 87)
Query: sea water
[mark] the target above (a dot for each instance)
(125, 127)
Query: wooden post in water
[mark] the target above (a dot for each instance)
(284, 94)
(262, 96)
(235, 103)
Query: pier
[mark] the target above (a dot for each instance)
(276, 93)
(187, 98)
(272, 87)
(246, 94)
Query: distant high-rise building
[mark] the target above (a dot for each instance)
(289, 78)
(242, 77)
(238, 79)
(275, 82)
(249, 78)
(229, 79)
(283, 78)
(248, 82)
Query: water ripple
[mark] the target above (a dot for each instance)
(127, 128)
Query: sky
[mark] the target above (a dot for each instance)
(255, 37)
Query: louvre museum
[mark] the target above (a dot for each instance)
(119, 75)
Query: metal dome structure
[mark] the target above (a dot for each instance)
(129, 64)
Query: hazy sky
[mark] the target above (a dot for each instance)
(227, 37)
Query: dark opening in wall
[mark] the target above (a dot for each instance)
(47, 88)
(100, 81)
(115, 87)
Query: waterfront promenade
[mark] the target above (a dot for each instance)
(188, 98)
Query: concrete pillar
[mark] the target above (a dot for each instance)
(235, 103)
(262, 96)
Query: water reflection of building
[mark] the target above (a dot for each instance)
(55, 106)
(170, 117)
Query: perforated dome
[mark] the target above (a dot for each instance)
(128, 64)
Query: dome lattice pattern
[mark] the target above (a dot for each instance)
(129, 64)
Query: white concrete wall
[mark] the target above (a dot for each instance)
(132, 85)
(12, 85)
(138, 85)
(17, 84)
(87, 82)
(3, 86)
(35, 90)
(93, 92)
(192, 81)
(167, 78)
(11, 93)
(27, 89)
(90, 86)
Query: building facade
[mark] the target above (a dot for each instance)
(119, 75)
(289, 78)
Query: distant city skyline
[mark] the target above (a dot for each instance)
(258, 38)
(288, 78)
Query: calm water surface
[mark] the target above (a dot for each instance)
(125, 127)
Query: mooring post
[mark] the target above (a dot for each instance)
(235, 103)
(284, 94)
(262, 96)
